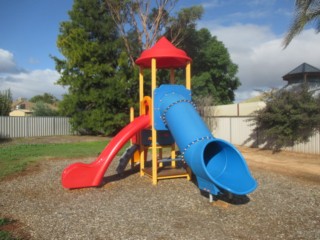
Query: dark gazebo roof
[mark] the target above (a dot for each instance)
(166, 54)
(302, 70)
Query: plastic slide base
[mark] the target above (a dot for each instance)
(207, 186)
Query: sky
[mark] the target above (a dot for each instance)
(251, 30)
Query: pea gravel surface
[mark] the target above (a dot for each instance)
(282, 207)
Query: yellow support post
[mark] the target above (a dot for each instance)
(141, 96)
(141, 90)
(131, 120)
(173, 155)
(131, 114)
(188, 76)
(142, 160)
(160, 156)
(154, 132)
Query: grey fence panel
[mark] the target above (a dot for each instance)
(14, 127)
(62, 126)
(240, 131)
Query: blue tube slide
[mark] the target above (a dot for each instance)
(217, 164)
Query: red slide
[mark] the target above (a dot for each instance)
(80, 175)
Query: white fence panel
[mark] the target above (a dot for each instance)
(220, 128)
(14, 127)
(239, 131)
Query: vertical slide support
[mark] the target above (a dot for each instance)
(141, 90)
(154, 132)
(173, 146)
(188, 76)
(136, 155)
(141, 95)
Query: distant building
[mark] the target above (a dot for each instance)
(303, 74)
(21, 113)
(21, 108)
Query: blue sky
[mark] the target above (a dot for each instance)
(252, 30)
(29, 30)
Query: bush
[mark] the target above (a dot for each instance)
(43, 109)
(289, 117)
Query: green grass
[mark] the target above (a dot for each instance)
(15, 158)
(4, 235)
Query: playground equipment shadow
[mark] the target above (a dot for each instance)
(225, 197)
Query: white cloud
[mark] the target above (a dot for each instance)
(211, 4)
(7, 63)
(260, 56)
(27, 83)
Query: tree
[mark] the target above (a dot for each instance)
(96, 70)
(180, 26)
(140, 22)
(214, 74)
(46, 98)
(306, 11)
(43, 109)
(5, 102)
(289, 117)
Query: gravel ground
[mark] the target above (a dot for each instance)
(282, 207)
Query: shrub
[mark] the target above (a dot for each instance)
(289, 117)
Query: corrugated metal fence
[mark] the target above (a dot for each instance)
(13, 127)
(239, 131)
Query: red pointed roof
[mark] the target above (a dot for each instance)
(166, 54)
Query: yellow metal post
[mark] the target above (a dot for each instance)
(188, 76)
(160, 156)
(131, 114)
(141, 96)
(142, 160)
(141, 83)
(154, 132)
(173, 155)
(131, 120)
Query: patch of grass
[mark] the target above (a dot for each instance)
(15, 158)
(4, 235)
(4, 221)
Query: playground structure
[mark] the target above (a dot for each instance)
(168, 119)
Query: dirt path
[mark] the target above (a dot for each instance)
(299, 165)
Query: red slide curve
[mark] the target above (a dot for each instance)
(80, 175)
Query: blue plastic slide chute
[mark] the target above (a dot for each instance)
(217, 164)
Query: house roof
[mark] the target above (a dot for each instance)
(302, 70)
(166, 54)
(26, 104)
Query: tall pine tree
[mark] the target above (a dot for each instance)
(96, 70)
